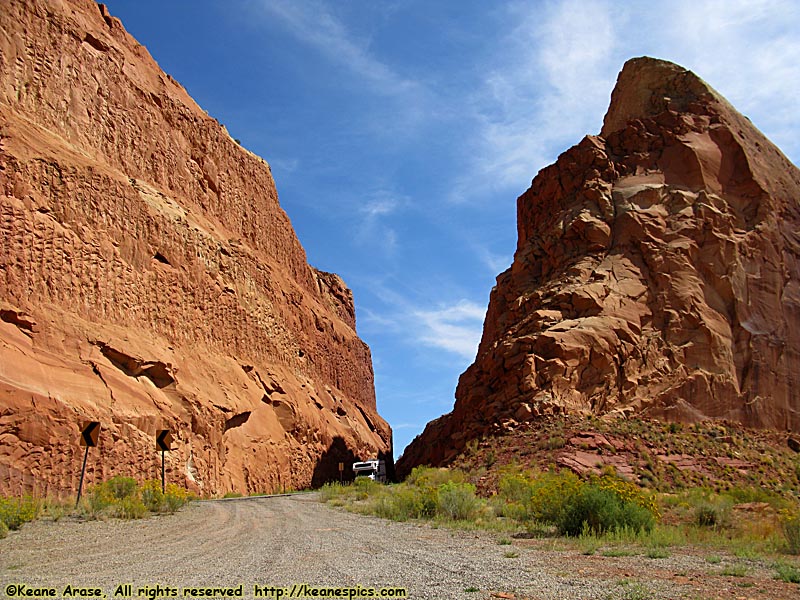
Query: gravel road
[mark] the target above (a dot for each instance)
(281, 541)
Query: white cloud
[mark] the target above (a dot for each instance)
(284, 165)
(495, 263)
(551, 79)
(550, 89)
(406, 104)
(374, 220)
(379, 321)
(453, 326)
(749, 50)
(314, 23)
(456, 328)
(380, 206)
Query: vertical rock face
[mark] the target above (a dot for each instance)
(149, 279)
(657, 272)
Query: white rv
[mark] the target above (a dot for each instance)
(374, 469)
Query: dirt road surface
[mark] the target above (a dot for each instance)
(286, 541)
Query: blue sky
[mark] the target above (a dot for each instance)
(401, 132)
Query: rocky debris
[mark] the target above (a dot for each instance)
(150, 279)
(684, 462)
(657, 455)
(591, 440)
(759, 508)
(657, 273)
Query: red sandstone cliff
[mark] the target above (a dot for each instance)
(657, 272)
(149, 279)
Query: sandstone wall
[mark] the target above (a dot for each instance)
(149, 278)
(657, 273)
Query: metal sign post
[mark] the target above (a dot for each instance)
(90, 432)
(163, 443)
(341, 472)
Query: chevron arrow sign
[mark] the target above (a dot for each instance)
(163, 439)
(90, 432)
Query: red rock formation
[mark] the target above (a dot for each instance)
(657, 272)
(149, 279)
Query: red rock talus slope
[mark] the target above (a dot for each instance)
(657, 272)
(149, 279)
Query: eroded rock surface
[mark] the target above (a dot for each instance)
(657, 272)
(150, 279)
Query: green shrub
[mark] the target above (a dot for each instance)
(788, 573)
(329, 491)
(156, 501)
(707, 508)
(734, 571)
(152, 496)
(403, 503)
(129, 507)
(16, 511)
(55, 509)
(365, 487)
(176, 497)
(3, 530)
(601, 510)
(744, 494)
(121, 497)
(457, 501)
(429, 477)
(121, 487)
(98, 498)
(635, 591)
(712, 514)
(416, 498)
(393, 507)
(551, 493)
(516, 488)
(790, 526)
(419, 502)
(510, 510)
(562, 499)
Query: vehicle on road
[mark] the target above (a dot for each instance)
(374, 469)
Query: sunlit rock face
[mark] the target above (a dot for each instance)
(656, 273)
(149, 279)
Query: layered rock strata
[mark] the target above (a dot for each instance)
(657, 273)
(149, 279)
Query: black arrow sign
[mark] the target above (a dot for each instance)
(163, 440)
(90, 433)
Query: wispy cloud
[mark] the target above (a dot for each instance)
(494, 262)
(548, 90)
(559, 63)
(314, 23)
(384, 204)
(284, 165)
(374, 218)
(749, 50)
(416, 426)
(456, 328)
